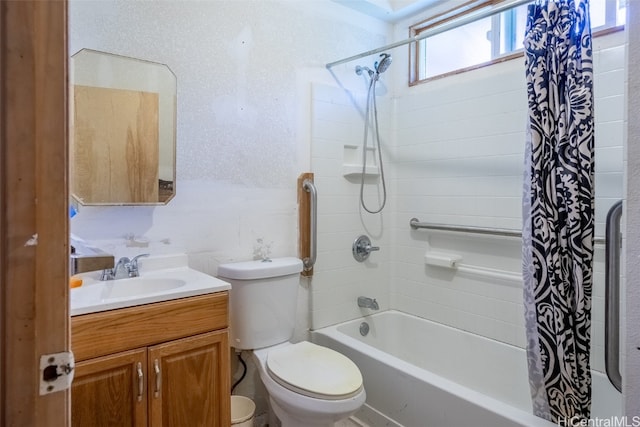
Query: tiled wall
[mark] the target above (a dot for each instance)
(459, 160)
(337, 125)
(453, 151)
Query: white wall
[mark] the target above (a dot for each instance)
(244, 72)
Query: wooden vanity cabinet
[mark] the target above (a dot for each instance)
(188, 367)
(176, 376)
(107, 391)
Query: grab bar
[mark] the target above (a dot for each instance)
(415, 224)
(310, 187)
(612, 296)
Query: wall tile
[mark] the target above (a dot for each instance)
(456, 158)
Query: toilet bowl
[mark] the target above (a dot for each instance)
(308, 385)
(316, 391)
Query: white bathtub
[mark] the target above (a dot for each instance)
(419, 373)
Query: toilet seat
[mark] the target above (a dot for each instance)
(314, 371)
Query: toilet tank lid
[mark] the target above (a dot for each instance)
(260, 269)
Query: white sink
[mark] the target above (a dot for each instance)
(140, 286)
(153, 285)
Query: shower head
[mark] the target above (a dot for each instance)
(379, 67)
(384, 63)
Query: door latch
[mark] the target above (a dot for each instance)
(56, 372)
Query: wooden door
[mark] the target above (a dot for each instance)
(189, 382)
(34, 317)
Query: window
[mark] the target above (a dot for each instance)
(486, 40)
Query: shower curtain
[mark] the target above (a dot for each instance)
(558, 204)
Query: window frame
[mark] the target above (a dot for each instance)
(470, 7)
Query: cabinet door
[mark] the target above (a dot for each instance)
(110, 391)
(189, 382)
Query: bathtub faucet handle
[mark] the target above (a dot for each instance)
(362, 247)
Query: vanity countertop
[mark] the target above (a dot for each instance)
(162, 278)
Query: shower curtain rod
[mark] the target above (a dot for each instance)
(454, 23)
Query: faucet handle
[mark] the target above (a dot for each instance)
(132, 266)
(361, 248)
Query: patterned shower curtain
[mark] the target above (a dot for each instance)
(558, 206)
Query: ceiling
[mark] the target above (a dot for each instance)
(389, 10)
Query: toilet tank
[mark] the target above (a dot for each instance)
(262, 301)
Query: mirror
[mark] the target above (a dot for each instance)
(123, 130)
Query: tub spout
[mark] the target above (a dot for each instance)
(366, 302)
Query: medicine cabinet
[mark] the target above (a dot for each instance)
(122, 130)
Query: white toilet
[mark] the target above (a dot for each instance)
(308, 385)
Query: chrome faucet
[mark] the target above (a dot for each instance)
(366, 302)
(129, 267)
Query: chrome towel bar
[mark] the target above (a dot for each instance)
(415, 224)
(612, 242)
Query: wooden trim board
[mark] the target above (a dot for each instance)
(34, 312)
